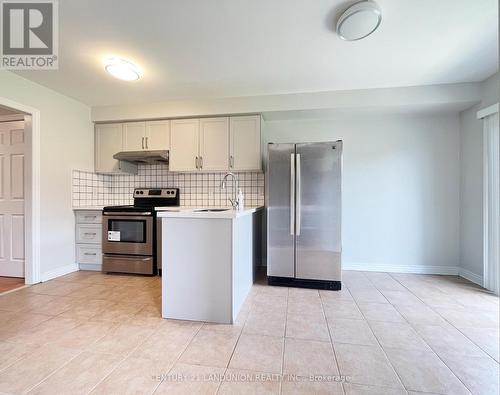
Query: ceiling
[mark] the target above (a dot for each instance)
(194, 49)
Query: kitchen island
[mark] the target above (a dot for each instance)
(208, 260)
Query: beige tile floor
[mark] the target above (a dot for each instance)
(382, 334)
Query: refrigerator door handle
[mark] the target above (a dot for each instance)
(292, 194)
(298, 197)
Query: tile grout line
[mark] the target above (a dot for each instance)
(331, 340)
(378, 342)
(284, 343)
(444, 318)
(432, 350)
(125, 356)
(177, 359)
(241, 332)
(231, 356)
(54, 372)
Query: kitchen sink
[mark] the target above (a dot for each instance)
(212, 210)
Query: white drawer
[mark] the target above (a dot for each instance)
(88, 254)
(88, 234)
(88, 217)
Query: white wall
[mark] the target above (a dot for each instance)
(400, 187)
(471, 185)
(66, 143)
(432, 97)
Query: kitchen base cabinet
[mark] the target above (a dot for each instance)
(88, 237)
(211, 281)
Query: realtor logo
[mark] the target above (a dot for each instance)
(29, 34)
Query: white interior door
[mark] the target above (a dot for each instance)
(12, 196)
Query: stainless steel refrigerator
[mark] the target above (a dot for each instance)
(304, 197)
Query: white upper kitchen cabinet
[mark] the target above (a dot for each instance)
(146, 136)
(158, 135)
(109, 141)
(134, 136)
(244, 143)
(214, 144)
(184, 144)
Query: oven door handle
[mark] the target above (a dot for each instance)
(128, 257)
(145, 214)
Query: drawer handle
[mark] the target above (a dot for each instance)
(90, 233)
(90, 217)
(90, 253)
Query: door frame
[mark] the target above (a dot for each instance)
(32, 271)
(491, 193)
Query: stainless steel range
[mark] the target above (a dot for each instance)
(129, 242)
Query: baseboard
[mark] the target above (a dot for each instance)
(60, 271)
(370, 267)
(473, 277)
(445, 270)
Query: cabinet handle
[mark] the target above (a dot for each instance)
(143, 143)
(231, 161)
(90, 234)
(147, 140)
(201, 162)
(196, 162)
(90, 217)
(90, 254)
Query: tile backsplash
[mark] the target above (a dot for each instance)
(197, 189)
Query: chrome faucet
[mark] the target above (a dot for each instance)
(234, 200)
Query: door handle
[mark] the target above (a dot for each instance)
(143, 143)
(298, 198)
(292, 194)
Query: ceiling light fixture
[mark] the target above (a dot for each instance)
(122, 69)
(359, 20)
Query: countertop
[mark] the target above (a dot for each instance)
(88, 208)
(192, 212)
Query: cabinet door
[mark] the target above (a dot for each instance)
(134, 136)
(214, 144)
(108, 141)
(245, 143)
(158, 135)
(184, 137)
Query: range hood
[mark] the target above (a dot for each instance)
(147, 157)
